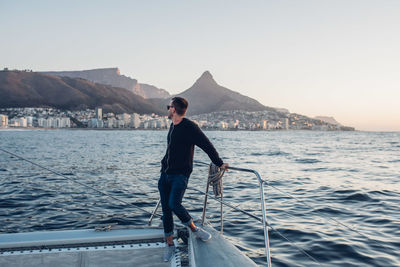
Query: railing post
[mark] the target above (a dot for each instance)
(264, 211)
(154, 212)
(203, 217)
(222, 210)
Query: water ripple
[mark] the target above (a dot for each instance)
(350, 176)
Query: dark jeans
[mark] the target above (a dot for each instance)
(172, 188)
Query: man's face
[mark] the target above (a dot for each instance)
(171, 110)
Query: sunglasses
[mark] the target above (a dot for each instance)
(168, 107)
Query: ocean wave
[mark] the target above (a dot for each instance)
(331, 210)
(350, 194)
(326, 169)
(358, 197)
(321, 169)
(256, 154)
(32, 199)
(338, 251)
(393, 142)
(270, 154)
(296, 235)
(345, 191)
(277, 153)
(382, 192)
(307, 161)
(377, 221)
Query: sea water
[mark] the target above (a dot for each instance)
(334, 195)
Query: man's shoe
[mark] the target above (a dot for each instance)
(169, 251)
(202, 234)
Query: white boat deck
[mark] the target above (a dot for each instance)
(217, 252)
(118, 248)
(83, 248)
(118, 257)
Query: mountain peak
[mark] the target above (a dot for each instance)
(206, 75)
(206, 96)
(206, 79)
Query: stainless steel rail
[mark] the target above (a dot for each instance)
(262, 200)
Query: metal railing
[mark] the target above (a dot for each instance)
(153, 214)
(262, 202)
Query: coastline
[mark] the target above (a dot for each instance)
(204, 129)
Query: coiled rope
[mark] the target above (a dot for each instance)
(215, 174)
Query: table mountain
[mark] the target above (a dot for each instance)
(113, 77)
(32, 89)
(150, 91)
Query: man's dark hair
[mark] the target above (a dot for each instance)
(180, 104)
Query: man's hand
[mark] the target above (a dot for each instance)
(225, 166)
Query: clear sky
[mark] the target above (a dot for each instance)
(334, 58)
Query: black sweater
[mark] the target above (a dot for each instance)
(181, 140)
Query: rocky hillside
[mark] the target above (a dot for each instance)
(31, 89)
(113, 77)
(327, 119)
(150, 91)
(206, 96)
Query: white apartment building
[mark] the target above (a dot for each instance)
(233, 124)
(120, 124)
(222, 125)
(125, 117)
(153, 124)
(29, 121)
(18, 122)
(65, 122)
(3, 120)
(135, 121)
(95, 123)
(49, 122)
(54, 122)
(99, 113)
(41, 122)
(23, 122)
(286, 124)
(165, 122)
(110, 123)
(264, 124)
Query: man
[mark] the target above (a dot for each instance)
(177, 166)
